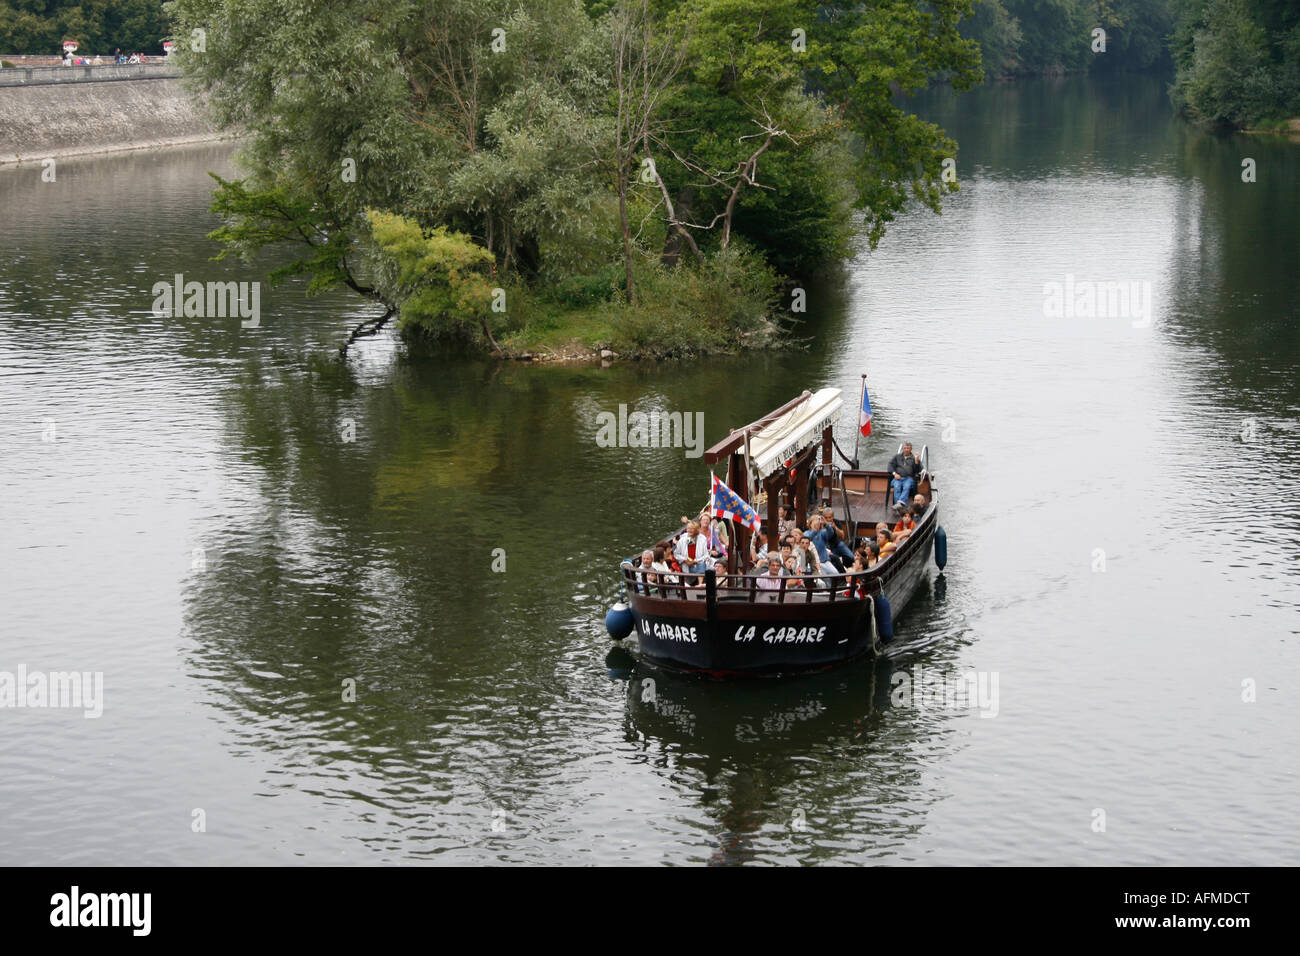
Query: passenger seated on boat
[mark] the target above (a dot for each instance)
(919, 504)
(692, 551)
(857, 586)
(771, 581)
(836, 540)
(758, 548)
(908, 521)
(830, 550)
(664, 569)
(886, 542)
(792, 571)
(916, 523)
(806, 555)
(787, 523)
(787, 550)
(715, 532)
(645, 581)
(906, 470)
(720, 572)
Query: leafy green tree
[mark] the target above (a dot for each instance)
(552, 137)
(787, 119)
(998, 34)
(1025, 37)
(439, 279)
(1136, 34)
(409, 107)
(876, 52)
(1056, 35)
(1238, 61)
(281, 215)
(646, 58)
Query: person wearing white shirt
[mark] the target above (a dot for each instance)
(692, 549)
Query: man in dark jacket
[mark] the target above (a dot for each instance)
(829, 541)
(905, 469)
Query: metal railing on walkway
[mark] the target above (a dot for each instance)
(51, 75)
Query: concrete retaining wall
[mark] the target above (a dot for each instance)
(69, 119)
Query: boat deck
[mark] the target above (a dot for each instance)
(866, 503)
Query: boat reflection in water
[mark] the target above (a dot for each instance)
(754, 717)
(793, 769)
(787, 770)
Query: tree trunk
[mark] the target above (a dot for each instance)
(678, 235)
(747, 171)
(488, 332)
(528, 257)
(627, 235)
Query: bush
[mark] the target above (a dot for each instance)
(440, 279)
(579, 291)
(6, 65)
(1232, 72)
(722, 305)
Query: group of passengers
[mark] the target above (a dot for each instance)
(804, 558)
(118, 57)
(700, 545)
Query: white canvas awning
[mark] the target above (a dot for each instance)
(792, 433)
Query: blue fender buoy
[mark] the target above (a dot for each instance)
(884, 618)
(618, 621)
(940, 547)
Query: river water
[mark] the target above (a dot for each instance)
(236, 529)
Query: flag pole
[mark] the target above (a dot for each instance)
(713, 502)
(857, 432)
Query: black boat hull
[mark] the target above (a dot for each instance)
(738, 636)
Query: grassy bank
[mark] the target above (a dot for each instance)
(554, 331)
(725, 304)
(1283, 127)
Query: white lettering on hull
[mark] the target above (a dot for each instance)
(782, 635)
(670, 632)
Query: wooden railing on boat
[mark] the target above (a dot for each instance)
(884, 570)
(706, 586)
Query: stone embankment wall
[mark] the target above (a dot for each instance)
(69, 111)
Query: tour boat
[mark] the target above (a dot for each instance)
(731, 627)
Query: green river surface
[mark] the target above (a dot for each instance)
(182, 511)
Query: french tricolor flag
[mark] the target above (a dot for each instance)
(864, 419)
